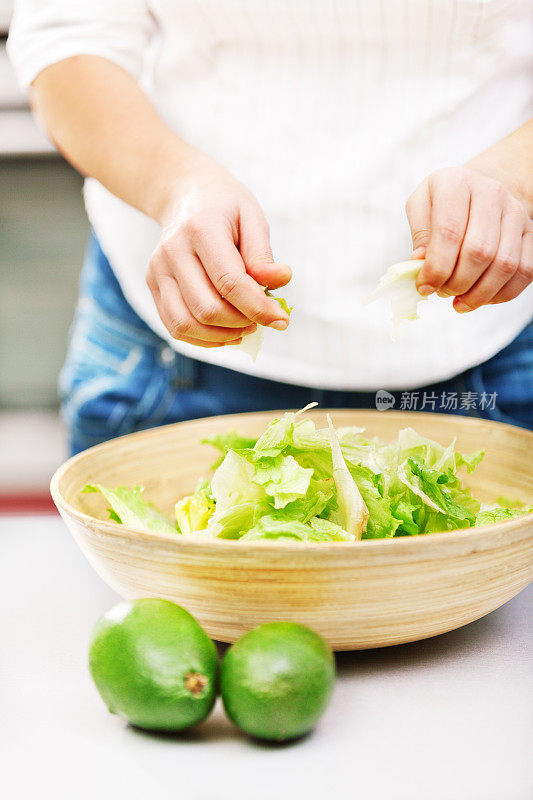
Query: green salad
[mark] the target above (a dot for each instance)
(300, 482)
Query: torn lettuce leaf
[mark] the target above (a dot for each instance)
(279, 435)
(441, 492)
(229, 441)
(509, 502)
(129, 507)
(283, 479)
(194, 511)
(510, 509)
(351, 513)
(251, 344)
(381, 522)
(317, 530)
(232, 522)
(399, 287)
(434, 455)
(233, 484)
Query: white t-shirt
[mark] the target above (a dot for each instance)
(331, 112)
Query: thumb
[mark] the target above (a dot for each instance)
(255, 250)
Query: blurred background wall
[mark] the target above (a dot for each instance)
(43, 229)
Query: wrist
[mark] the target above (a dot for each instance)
(172, 171)
(507, 170)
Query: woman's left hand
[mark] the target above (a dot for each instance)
(475, 235)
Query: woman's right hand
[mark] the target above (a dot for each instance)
(213, 257)
(212, 260)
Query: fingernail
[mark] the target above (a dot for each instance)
(279, 324)
(426, 289)
(234, 343)
(461, 307)
(418, 252)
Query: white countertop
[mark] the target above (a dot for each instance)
(449, 718)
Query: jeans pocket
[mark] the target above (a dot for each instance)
(108, 377)
(505, 382)
(97, 401)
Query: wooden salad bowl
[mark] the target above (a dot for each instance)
(358, 595)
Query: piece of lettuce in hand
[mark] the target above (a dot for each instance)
(251, 344)
(351, 513)
(129, 507)
(399, 287)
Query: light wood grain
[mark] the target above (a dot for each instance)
(357, 595)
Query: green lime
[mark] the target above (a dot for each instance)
(154, 665)
(277, 680)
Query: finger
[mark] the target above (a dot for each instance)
(209, 345)
(480, 245)
(200, 343)
(225, 267)
(254, 246)
(523, 275)
(450, 203)
(179, 321)
(201, 297)
(417, 254)
(500, 270)
(418, 208)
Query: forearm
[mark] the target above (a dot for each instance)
(510, 161)
(106, 127)
(213, 256)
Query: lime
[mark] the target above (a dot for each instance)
(154, 665)
(277, 680)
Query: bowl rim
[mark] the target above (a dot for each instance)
(193, 541)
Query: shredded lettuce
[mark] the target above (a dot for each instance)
(194, 511)
(300, 482)
(351, 513)
(129, 507)
(251, 344)
(228, 441)
(512, 508)
(283, 479)
(398, 286)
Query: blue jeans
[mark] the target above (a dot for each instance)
(119, 376)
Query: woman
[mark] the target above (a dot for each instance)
(200, 122)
